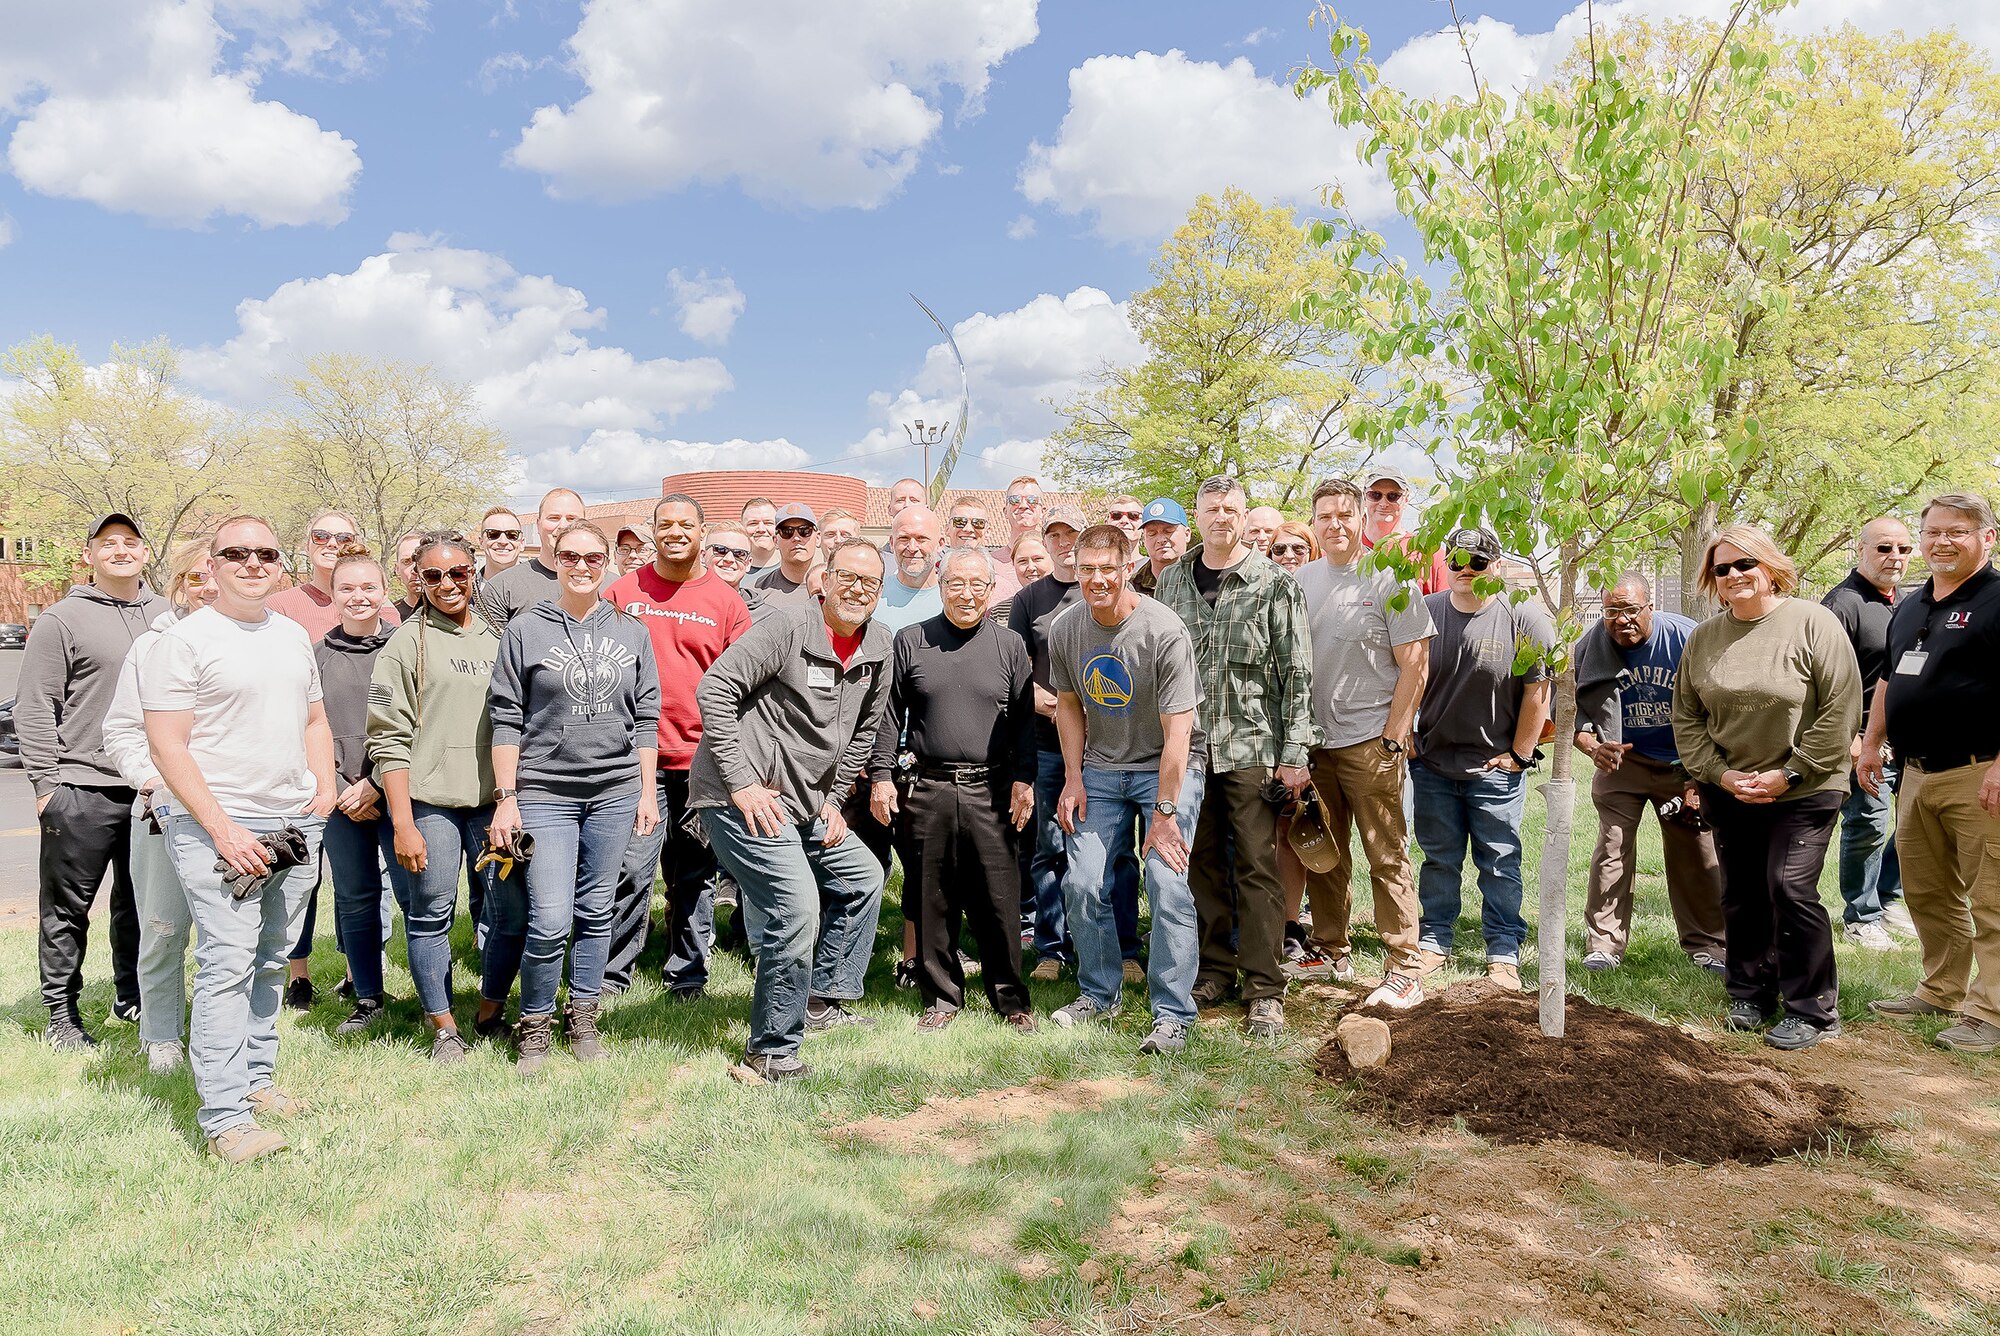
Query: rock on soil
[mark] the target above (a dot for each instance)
(1615, 1079)
(1364, 1040)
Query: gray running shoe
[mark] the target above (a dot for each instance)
(1080, 1012)
(1167, 1037)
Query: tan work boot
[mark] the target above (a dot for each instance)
(1046, 969)
(532, 1037)
(585, 1045)
(246, 1142)
(271, 1102)
(1505, 973)
(1905, 1006)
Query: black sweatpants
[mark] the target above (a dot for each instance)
(688, 868)
(883, 841)
(965, 863)
(1780, 936)
(84, 831)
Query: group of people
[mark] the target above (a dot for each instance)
(1038, 716)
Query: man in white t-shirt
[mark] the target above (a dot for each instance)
(237, 733)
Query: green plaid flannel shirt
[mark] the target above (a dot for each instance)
(1255, 651)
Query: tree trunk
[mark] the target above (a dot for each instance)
(1703, 525)
(1559, 801)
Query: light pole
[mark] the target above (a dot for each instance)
(927, 437)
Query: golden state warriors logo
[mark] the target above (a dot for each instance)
(1108, 683)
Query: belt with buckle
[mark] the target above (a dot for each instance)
(956, 774)
(1932, 765)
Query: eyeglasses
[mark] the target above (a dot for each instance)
(1722, 569)
(195, 579)
(1014, 500)
(791, 530)
(1123, 514)
(1946, 535)
(240, 556)
(434, 577)
(337, 539)
(594, 560)
(724, 552)
(1623, 614)
(867, 584)
(1290, 550)
(1469, 561)
(961, 585)
(1087, 572)
(498, 535)
(1900, 549)
(1374, 495)
(967, 522)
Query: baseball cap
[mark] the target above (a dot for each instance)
(1386, 473)
(1164, 510)
(1478, 542)
(1309, 837)
(1068, 515)
(797, 511)
(637, 537)
(115, 517)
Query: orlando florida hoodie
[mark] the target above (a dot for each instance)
(577, 697)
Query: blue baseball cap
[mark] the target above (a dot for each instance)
(1165, 510)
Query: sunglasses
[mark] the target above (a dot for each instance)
(1722, 569)
(795, 530)
(1469, 561)
(195, 579)
(1374, 495)
(240, 556)
(434, 577)
(509, 535)
(724, 552)
(867, 584)
(322, 536)
(1900, 549)
(594, 560)
(967, 522)
(1013, 500)
(1124, 514)
(1290, 549)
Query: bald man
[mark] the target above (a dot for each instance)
(910, 593)
(1260, 526)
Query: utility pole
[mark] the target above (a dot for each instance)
(927, 437)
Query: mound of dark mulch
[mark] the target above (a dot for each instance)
(1617, 1080)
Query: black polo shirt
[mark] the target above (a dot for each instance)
(1864, 613)
(1949, 712)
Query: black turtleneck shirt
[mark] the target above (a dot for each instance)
(959, 698)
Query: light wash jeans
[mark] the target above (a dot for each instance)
(240, 958)
(1871, 876)
(1485, 813)
(164, 928)
(811, 913)
(579, 848)
(1116, 801)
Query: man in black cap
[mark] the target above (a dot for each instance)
(68, 673)
(798, 548)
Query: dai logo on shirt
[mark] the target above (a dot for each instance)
(1958, 619)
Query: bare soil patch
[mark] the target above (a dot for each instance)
(956, 1127)
(1476, 1053)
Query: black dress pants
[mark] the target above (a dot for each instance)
(965, 864)
(1780, 936)
(84, 831)
(688, 868)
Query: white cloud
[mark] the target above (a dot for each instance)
(521, 341)
(1021, 228)
(6, 230)
(708, 307)
(145, 109)
(1257, 38)
(798, 101)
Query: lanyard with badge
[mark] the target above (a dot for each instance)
(1914, 658)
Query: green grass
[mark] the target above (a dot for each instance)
(651, 1193)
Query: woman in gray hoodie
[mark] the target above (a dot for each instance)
(576, 713)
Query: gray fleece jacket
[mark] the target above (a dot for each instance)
(780, 709)
(579, 698)
(68, 674)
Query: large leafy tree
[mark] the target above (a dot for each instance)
(1234, 379)
(1570, 224)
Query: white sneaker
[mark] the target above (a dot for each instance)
(1398, 992)
(1600, 960)
(1896, 918)
(163, 1059)
(1869, 936)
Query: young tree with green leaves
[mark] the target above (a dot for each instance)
(1569, 221)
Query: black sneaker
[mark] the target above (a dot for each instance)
(66, 1034)
(1295, 941)
(1745, 1016)
(494, 1028)
(687, 992)
(906, 974)
(832, 1016)
(299, 994)
(1796, 1032)
(344, 989)
(366, 1012)
(128, 1012)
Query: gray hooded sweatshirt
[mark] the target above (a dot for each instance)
(579, 698)
(780, 709)
(68, 674)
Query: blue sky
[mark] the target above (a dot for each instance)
(671, 233)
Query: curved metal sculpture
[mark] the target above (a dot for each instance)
(934, 488)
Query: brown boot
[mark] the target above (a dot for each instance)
(581, 1027)
(532, 1037)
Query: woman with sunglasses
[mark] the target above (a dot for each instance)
(359, 839)
(576, 697)
(164, 917)
(1768, 700)
(430, 740)
(1292, 546)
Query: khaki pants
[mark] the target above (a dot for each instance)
(1362, 786)
(1694, 872)
(1950, 850)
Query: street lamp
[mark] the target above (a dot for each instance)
(927, 437)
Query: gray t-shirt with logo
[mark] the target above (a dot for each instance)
(1473, 699)
(1354, 635)
(1127, 676)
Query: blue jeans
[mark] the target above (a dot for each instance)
(359, 855)
(454, 837)
(802, 951)
(1115, 800)
(579, 847)
(164, 923)
(1485, 812)
(1045, 862)
(1870, 874)
(240, 966)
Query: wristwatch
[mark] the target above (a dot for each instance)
(1165, 807)
(1390, 745)
(1525, 762)
(502, 794)
(1793, 779)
